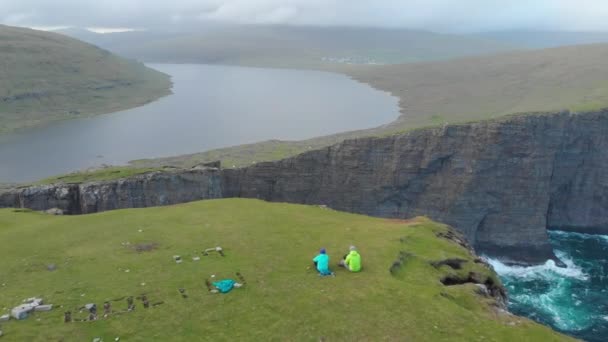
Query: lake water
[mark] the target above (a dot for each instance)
(212, 107)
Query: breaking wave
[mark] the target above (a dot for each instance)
(573, 299)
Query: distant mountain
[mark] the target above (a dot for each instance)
(546, 39)
(290, 46)
(46, 76)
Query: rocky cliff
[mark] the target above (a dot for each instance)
(148, 190)
(502, 183)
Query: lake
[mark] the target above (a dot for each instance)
(211, 107)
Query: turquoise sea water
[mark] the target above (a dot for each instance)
(573, 300)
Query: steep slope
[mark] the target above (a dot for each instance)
(399, 295)
(292, 46)
(47, 76)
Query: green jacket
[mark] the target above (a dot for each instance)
(353, 261)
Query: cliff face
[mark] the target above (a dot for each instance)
(501, 183)
(142, 191)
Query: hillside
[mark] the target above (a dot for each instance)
(107, 256)
(291, 46)
(462, 90)
(46, 77)
(567, 78)
(546, 39)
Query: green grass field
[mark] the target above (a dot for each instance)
(272, 246)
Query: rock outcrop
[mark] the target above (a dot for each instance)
(148, 190)
(501, 183)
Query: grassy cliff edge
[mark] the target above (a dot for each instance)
(99, 257)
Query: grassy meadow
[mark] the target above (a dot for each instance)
(97, 259)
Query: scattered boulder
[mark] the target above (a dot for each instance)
(34, 301)
(29, 305)
(21, 312)
(54, 211)
(51, 267)
(482, 290)
(217, 249)
(47, 307)
(4, 318)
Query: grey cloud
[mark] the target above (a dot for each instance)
(441, 15)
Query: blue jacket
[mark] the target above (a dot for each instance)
(322, 261)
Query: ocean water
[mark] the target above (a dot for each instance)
(573, 300)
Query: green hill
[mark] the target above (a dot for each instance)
(47, 76)
(122, 253)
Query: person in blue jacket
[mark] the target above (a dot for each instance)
(322, 263)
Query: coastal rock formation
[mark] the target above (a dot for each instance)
(501, 183)
(147, 190)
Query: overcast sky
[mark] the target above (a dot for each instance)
(437, 15)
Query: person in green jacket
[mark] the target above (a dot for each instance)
(352, 260)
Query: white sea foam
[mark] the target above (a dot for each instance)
(565, 235)
(547, 270)
(556, 301)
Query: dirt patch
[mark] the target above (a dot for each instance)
(145, 247)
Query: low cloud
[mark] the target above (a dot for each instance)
(438, 15)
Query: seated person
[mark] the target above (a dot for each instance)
(352, 260)
(322, 263)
